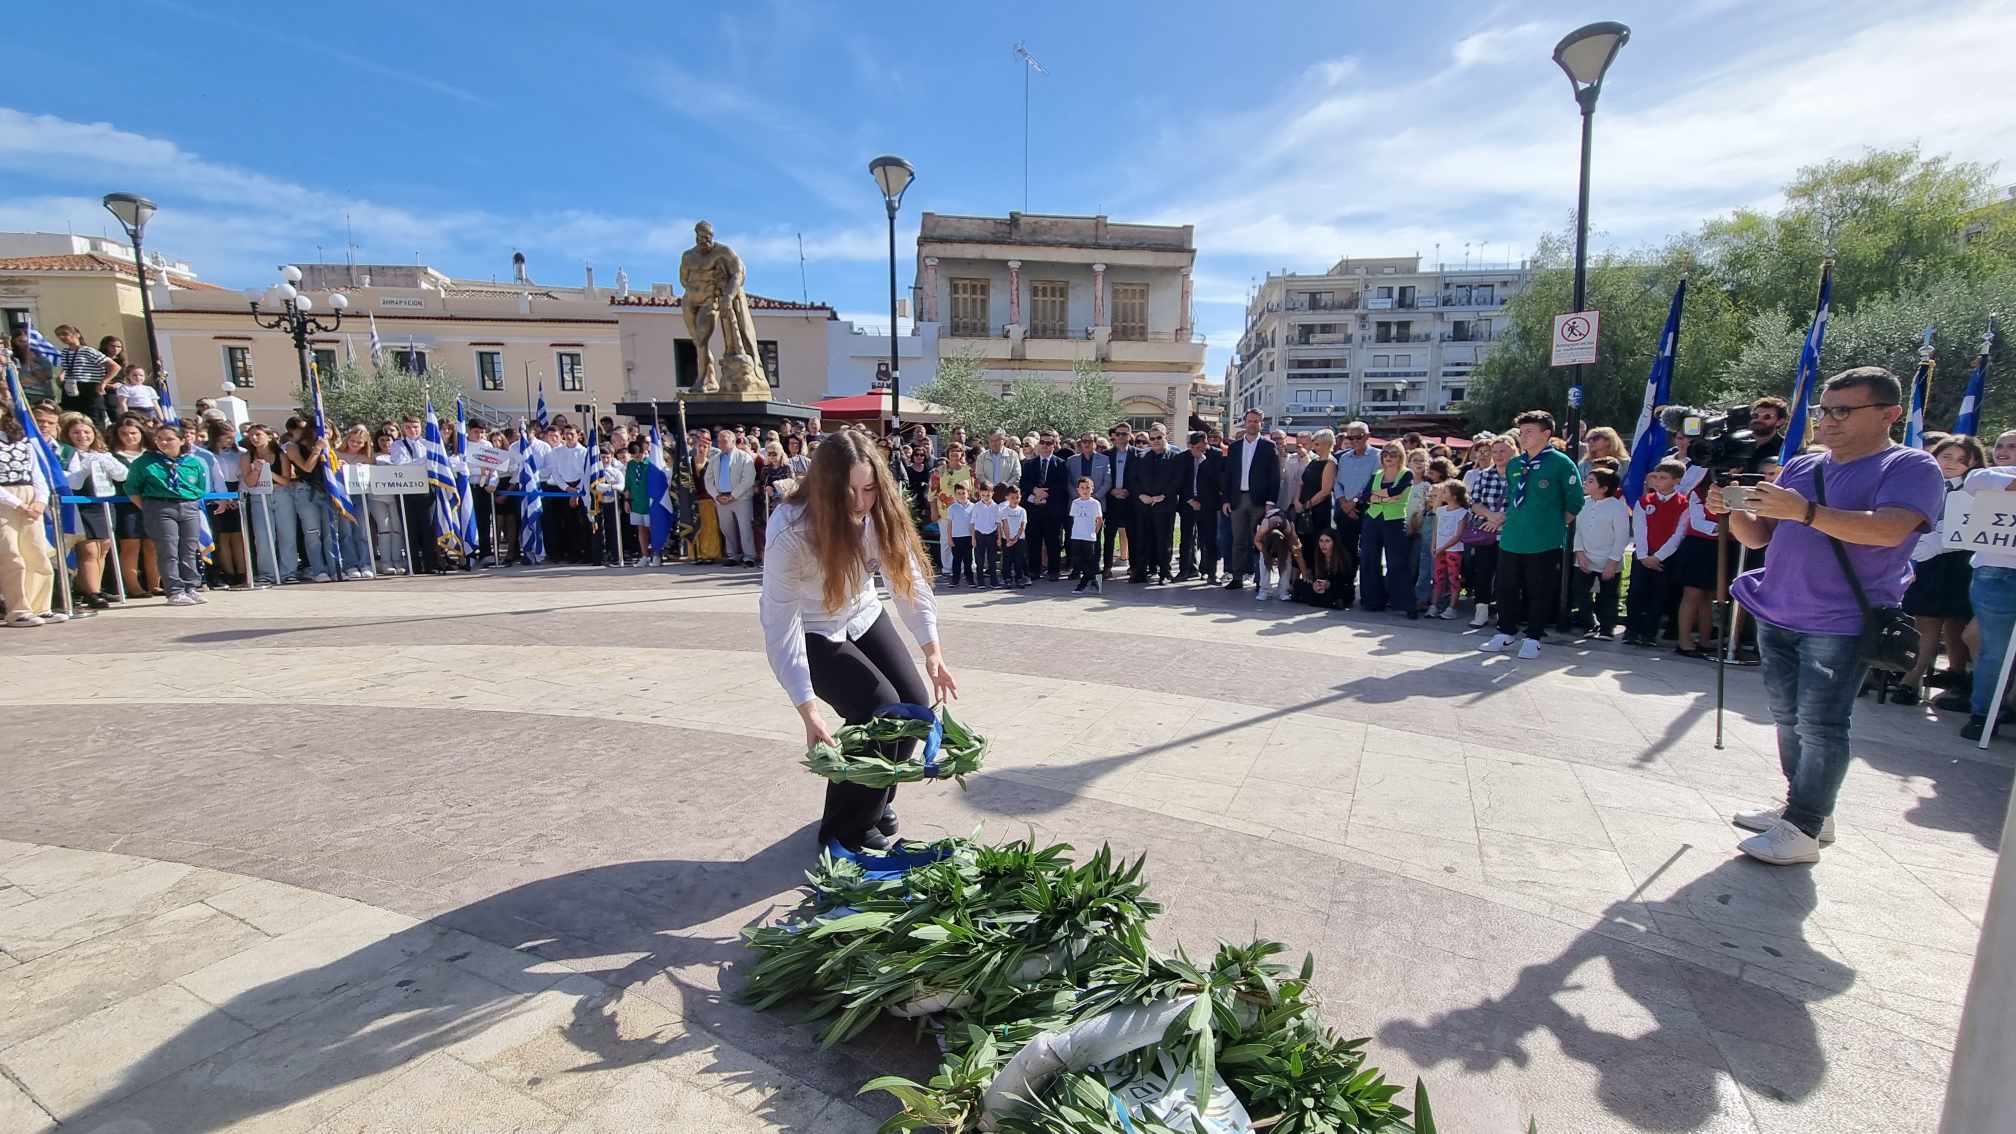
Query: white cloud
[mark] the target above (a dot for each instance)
(1497, 45)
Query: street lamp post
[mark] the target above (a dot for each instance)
(292, 314)
(1584, 55)
(893, 175)
(133, 212)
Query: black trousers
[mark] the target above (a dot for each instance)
(1119, 518)
(1149, 543)
(1648, 600)
(486, 505)
(1594, 599)
(418, 511)
(855, 679)
(1480, 571)
(1390, 586)
(1046, 542)
(1199, 527)
(1528, 586)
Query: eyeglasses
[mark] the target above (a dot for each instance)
(1843, 413)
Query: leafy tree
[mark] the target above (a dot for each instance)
(1884, 331)
(1086, 402)
(353, 395)
(1633, 291)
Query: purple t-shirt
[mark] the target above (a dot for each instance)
(1801, 587)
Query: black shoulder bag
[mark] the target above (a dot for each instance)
(1889, 636)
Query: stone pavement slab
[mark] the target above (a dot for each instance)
(427, 860)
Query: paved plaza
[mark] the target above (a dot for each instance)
(472, 854)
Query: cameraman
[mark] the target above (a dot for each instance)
(1880, 495)
(1767, 431)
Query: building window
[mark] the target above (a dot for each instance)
(1049, 309)
(1455, 393)
(1319, 397)
(489, 369)
(238, 365)
(568, 364)
(969, 308)
(766, 349)
(1403, 360)
(1382, 360)
(325, 362)
(1130, 310)
(411, 361)
(1007, 390)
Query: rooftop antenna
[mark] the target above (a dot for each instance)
(804, 289)
(1022, 53)
(349, 250)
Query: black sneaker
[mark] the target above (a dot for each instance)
(1955, 699)
(887, 824)
(1974, 727)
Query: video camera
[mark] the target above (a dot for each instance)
(1719, 440)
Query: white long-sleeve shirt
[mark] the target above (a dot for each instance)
(1603, 531)
(1641, 537)
(565, 467)
(793, 602)
(94, 473)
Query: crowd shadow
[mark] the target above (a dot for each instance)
(665, 929)
(1665, 1078)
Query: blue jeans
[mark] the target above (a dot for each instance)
(264, 528)
(1811, 681)
(1424, 564)
(1994, 596)
(297, 529)
(351, 545)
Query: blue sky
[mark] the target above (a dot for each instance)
(1289, 134)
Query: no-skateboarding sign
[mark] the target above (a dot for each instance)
(1575, 339)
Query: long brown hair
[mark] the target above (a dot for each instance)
(829, 520)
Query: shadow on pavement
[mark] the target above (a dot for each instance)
(666, 929)
(1665, 1078)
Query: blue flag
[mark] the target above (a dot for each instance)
(540, 416)
(658, 487)
(1649, 441)
(532, 509)
(1921, 386)
(466, 513)
(59, 518)
(1969, 419)
(1804, 390)
(441, 480)
(43, 349)
(332, 468)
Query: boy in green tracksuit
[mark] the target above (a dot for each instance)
(636, 487)
(167, 485)
(1543, 492)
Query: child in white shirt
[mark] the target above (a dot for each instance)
(1602, 538)
(1087, 517)
(134, 395)
(1014, 521)
(987, 518)
(1451, 502)
(959, 525)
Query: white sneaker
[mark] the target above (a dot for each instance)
(1497, 643)
(23, 619)
(1763, 818)
(1281, 593)
(1260, 594)
(1482, 615)
(195, 597)
(1528, 650)
(366, 573)
(320, 577)
(1782, 845)
(352, 574)
(54, 617)
(1448, 612)
(182, 599)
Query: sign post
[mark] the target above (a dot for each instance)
(1575, 338)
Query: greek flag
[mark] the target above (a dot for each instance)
(531, 508)
(1969, 420)
(1809, 372)
(466, 519)
(377, 344)
(1921, 386)
(332, 469)
(658, 486)
(540, 416)
(591, 500)
(43, 349)
(441, 479)
(57, 520)
(1649, 441)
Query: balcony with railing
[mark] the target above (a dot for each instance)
(1416, 337)
(1336, 338)
(1348, 303)
(1461, 298)
(1469, 336)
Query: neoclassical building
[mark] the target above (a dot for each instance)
(1030, 295)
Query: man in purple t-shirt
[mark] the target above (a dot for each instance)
(1880, 495)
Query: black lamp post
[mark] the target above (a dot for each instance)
(133, 212)
(894, 175)
(1584, 55)
(291, 313)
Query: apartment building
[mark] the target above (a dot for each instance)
(1032, 295)
(1371, 339)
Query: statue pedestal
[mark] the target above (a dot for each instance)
(716, 410)
(741, 376)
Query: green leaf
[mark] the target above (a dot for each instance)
(931, 933)
(852, 923)
(1424, 1118)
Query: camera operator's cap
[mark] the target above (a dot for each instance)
(1196, 436)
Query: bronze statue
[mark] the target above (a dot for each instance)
(713, 276)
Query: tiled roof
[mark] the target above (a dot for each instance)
(91, 262)
(756, 302)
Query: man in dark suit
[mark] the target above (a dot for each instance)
(1202, 489)
(1046, 495)
(1087, 461)
(1252, 479)
(1161, 482)
(1122, 466)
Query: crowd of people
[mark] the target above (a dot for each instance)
(1500, 526)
